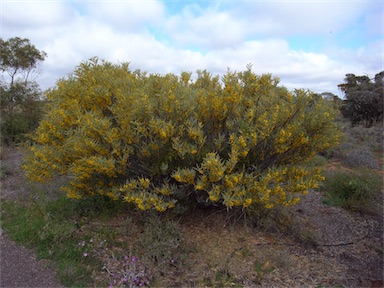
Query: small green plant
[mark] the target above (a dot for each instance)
(352, 190)
(223, 278)
(4, 172)
(277, 220)
(263, 268)
(162, 242)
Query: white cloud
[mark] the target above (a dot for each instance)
(125, 15)
(38, 21)
(287, 18)
(315, 71)
(374, 22)
(35, 14)
(206, 28)
(366, 59)
(213, 36)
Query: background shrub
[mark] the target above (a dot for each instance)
(369, 141)
(20, 97)
(360, 158)
(372, 137)
(161, 140)
(20, 112)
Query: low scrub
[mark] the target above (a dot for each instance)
(162, 242)
(372, 137)
(360, 158)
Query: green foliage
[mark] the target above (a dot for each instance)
(364, 99)
(263, 268)
(160, 140)
(352, 190)
(18, 55)
(21, 111)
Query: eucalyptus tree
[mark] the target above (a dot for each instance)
(20, 93)
(363, 98)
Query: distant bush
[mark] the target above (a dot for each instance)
(161, 140)
(372, 137)
(355, 139)
(20, 105)
(364, 99)
(22, 116)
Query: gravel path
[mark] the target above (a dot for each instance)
(20, 268)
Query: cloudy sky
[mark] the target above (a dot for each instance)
(308, 44)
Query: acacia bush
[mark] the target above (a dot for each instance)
(159, 141)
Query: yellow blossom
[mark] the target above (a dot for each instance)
(247, 202)
(144, 182)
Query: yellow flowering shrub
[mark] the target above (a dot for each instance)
(160, 140)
